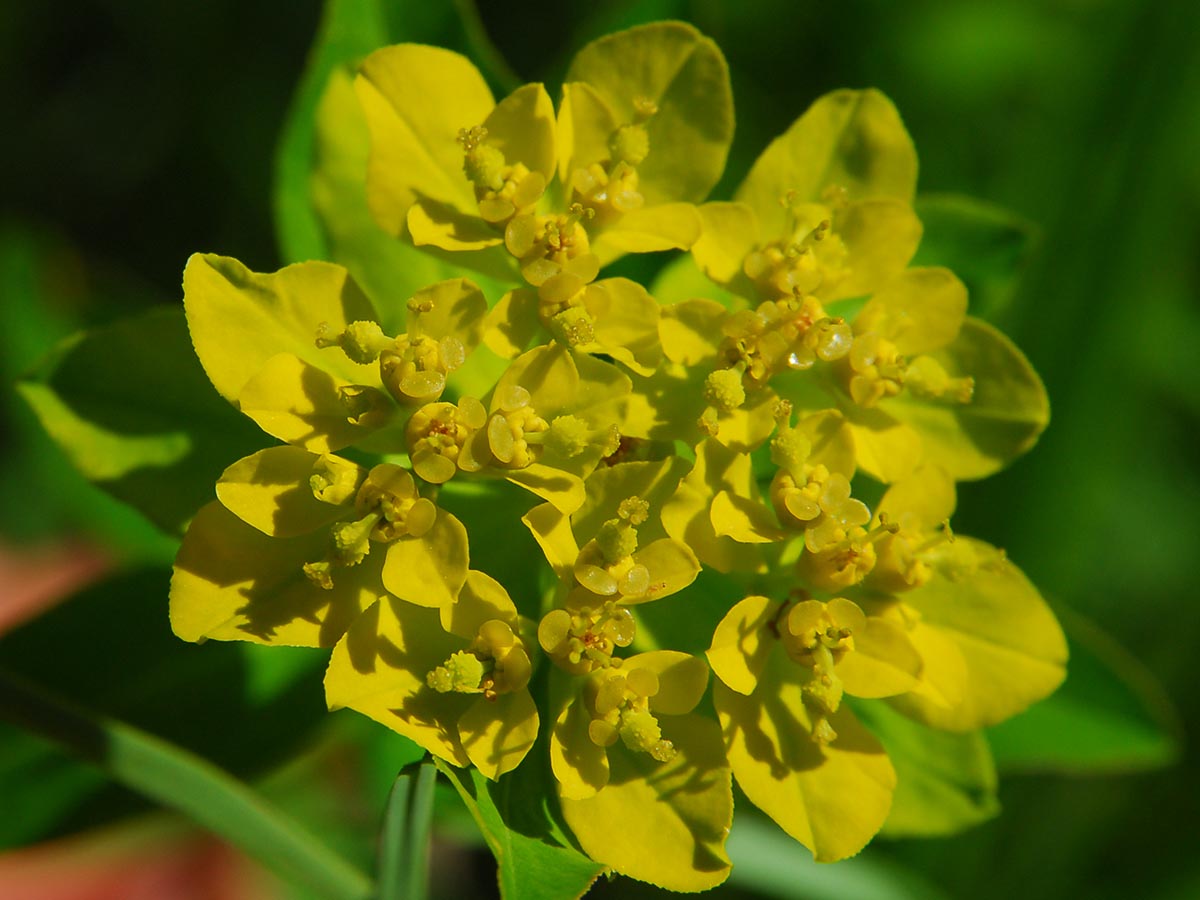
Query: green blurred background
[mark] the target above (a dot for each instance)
(138, 132)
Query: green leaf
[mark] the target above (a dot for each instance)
(41, 787)
(687, 620)
(179, 780)
(479, 505)
(488, 56)
(131, 407)
(985, 245)
(44, 302)
(1110, 715)
(945, 782)
(767, 861)
(244, 707)
(535, 859)
(349, 30)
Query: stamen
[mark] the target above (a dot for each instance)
(584, 640)
(723, 390)
(470, 138)
(351, 540)
(462, 673)
(334, 480)
(320, 574)
(362, 341)
(644, 109)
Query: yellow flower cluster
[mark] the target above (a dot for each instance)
(713, 453)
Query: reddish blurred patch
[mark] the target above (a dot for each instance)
(33, 579)
(133, 864)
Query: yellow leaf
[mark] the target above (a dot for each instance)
(552, 530)
(564, 490)
(522, 127)
(832, 799)
(431, 569)
(270, 490)
(627, 328)
(434, 224)
(885, 447)
(742, 643)
(729, 231)
(744, 519)
(233, 583)
(919, 310)
(481, 599)
(663, 823)
(883, 663)
(498, 733)
(652, 481)
(673, 566)
(682, 679)
(1011, 644)
(881, 236)
(455, 308)
(1005, 417)
(239, 319)
(832, 441)
(580, 766)
(585, 124)
(850, 139)
(928, 495)
(416, 98)
(379, 669)
(304, 405)
(651, 229)
(690, 330)
(686, 515)
(512, 324)
(684, 75)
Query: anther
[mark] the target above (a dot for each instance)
(361, 341)
(470, 138)
(644, 109)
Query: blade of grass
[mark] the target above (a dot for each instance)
(404, 850)
(182, 781)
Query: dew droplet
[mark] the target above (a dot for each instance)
(835, 342)
(799, 361)
(621, 627)
(635, 582)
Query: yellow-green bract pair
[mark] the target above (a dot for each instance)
(704, 456)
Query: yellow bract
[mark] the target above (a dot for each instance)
(515, 188)
(797, 752)
(392, 665)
